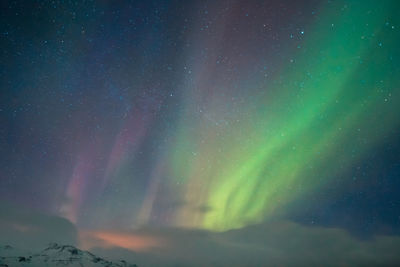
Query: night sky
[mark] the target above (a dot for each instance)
(143, 125)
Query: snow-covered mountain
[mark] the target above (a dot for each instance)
(54, 255)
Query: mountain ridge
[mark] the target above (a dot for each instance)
(55, 255)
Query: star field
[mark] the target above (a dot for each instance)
(204, 115)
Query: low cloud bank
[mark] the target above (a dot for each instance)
(279, 243)
(275, 243)
(31, 230)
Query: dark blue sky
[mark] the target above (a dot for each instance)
(211, 120)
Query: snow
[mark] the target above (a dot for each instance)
(54, 255)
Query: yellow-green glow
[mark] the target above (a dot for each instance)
(245, 170)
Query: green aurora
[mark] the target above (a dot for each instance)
(320, 115)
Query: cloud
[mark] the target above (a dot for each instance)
(130, 241)
(277, 243)
(274, 243)
(27, 229)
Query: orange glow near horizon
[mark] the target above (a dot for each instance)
(107, 239)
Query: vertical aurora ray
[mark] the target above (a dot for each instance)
(127, 142)
(320, 116)
(190, 131)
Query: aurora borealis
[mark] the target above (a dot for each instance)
(155, 117)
